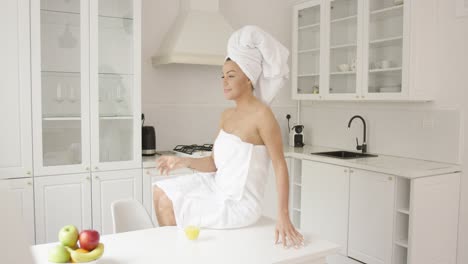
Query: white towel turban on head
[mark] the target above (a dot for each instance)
(262, 58)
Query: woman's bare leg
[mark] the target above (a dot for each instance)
(163, 208)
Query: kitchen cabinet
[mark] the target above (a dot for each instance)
(15, 92)
(59, 201)
(363, 50)
(379, 217)
(23, 200)
(371, 209)
(108, 187)
(151, 175)
(86, 101)
(324, 200)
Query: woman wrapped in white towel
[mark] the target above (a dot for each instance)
(228, 189)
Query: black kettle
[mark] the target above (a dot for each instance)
(148, 139)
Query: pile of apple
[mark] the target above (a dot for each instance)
(76, 247)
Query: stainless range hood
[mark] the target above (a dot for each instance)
(199, 36)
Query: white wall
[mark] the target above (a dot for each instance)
(184, 101)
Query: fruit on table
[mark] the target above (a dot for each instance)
(192, 232)
(59, 254)
(89, 239)
(68, 235)
(81, 251)
(80, 256)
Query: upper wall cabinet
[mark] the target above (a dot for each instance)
(15, 91)
(362, 50)
(86, 85)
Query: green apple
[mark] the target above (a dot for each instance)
(68, 236)
(59, 254)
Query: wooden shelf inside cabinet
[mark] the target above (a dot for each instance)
(309, 26)
(386, 69)
(114, 17)
(388, 11)
(343, 73)
(308, 75)
(344, 19)
(116, 117)
(60, 11)
(61, 118)
(403, 211)
(384, 42)
(402, 243)
(308, 51)
(344, 46)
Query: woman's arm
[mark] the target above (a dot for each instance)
(270, 133)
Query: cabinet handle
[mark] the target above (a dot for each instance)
(345, 170)
(96, 168)
(87, 178)
(87, 168)
(28, 172)
(29, 183)
(351, 171)
(390, 178)
(96, 177)
(363, 96)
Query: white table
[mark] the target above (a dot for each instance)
(253, 244)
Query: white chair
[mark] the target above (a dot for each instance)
(129, 215)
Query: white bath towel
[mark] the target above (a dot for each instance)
(262, 58)
(229, 198)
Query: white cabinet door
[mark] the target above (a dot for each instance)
(150, 175)
(60, 86)
(371, 208)
(61, 200)
(23, 200)
(324, 201)
(111, 186)
(115, 84)
(15, 90)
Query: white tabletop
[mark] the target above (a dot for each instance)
(253, 244)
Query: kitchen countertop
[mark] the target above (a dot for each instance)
(400, 166)
(252, 244)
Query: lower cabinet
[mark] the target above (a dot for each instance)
(324, 202)
(83, 200)
(22, 195)
(371, 211)
(108, 187)
(61, 200)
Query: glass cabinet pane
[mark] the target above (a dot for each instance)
(308, 50)
(116, 78)
(343, 46)
(385, 46)
(61, 82)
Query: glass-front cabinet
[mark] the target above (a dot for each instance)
(350, 50)
(85, 64)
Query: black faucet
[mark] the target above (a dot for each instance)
(362, 147)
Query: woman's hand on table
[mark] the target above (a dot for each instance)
(286, 233)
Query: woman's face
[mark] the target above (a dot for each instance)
(235, 82)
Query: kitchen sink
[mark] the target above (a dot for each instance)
(342, 154)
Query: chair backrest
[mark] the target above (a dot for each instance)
(129, 215)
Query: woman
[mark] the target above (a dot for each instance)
(228, 191)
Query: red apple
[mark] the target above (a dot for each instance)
(89, 239)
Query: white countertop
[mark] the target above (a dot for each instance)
(254, 244)
(399, 166)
